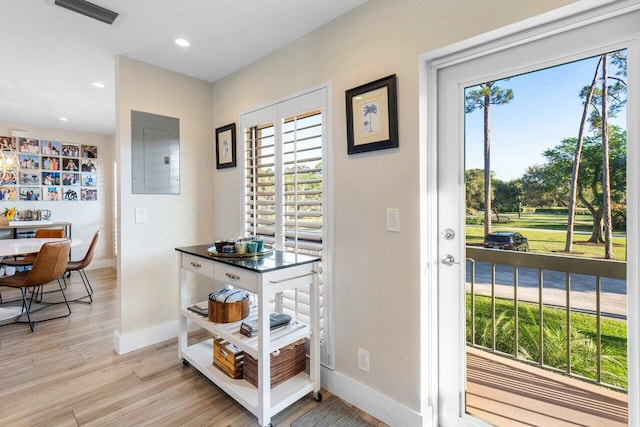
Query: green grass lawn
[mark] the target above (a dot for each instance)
(548, 221)
(547, 234)
(583, 338)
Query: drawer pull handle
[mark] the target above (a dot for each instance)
(232, 276)
(195, 264)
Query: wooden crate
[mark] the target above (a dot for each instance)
(289, 363)
(228, 358)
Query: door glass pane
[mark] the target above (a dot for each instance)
(546, 309)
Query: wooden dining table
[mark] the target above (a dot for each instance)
(17, 247)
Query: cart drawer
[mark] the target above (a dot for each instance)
(197, 265)
(237, 277)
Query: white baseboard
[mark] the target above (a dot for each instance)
(371, 401)
(101, 263)
(125, 343)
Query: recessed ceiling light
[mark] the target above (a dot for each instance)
(98, 84)
(183, 42)
(64, 119)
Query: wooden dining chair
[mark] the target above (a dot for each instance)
(50, 263)
(27, 260)
(80, 265)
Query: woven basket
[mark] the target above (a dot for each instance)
(289, 363)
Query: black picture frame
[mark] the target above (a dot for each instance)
(372, 116)
(226, 146)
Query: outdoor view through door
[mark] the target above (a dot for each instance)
(546, 203)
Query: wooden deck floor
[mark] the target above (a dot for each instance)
(509, 393)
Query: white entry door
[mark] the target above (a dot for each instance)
(553, 44)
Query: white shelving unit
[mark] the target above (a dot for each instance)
(264, 277)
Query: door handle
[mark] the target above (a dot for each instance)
(448, 260)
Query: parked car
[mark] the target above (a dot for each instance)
(508, 240)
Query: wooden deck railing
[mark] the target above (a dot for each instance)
(596, 268)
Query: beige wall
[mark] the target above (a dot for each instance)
(86, 216)
(376, 275)
(147, 261)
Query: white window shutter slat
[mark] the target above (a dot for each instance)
(284, 188)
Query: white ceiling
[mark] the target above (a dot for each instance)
(51, 56)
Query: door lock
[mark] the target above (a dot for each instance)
(448, 234)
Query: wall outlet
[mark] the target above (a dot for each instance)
(363, 359)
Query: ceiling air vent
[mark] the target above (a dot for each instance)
(89, 9)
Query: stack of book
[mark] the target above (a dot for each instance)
(249, 326)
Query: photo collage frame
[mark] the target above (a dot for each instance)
(50, 171)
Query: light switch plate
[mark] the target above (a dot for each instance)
(393, 219)
(141, 214)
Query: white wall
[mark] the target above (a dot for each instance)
(147, 261)
(376, 281)
(86, 216)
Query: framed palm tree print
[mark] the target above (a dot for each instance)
(372, 116)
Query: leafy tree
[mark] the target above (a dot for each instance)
(576, 160)
(612, 98)
(507, 196)
(605, 102)
(474, 189)
(616, 89)
(619, 216)
(535, 191)
(483, 97)
(589, 189)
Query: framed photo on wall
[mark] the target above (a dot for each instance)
(226, 146)
(372, 116)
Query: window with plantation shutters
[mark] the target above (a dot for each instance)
(301, 215)
(260, 184)
(285, 197)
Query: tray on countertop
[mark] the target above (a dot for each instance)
(266, 250)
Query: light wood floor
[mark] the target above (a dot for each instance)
(66, 374)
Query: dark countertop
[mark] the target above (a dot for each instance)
(261, 264)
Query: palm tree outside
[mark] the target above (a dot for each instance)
(483, 97)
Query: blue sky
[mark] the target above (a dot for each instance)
(545, 109)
